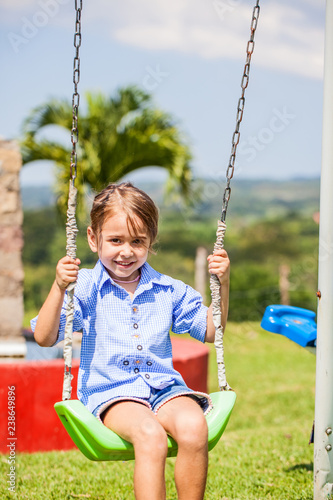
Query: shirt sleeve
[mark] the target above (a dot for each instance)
(77, 321)
(189, 313)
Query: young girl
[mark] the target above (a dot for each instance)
(125, 310)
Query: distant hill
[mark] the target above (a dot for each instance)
(268, 198)
(249, 198)
(259, 199)
(36, 197)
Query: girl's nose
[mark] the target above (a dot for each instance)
(126, 251)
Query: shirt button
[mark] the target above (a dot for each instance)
(149, 363)
(126, 362)
(139, 347)
(136, 370)
(136, 326)
(135, 309)
(147, 375)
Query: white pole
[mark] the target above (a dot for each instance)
(323, 443)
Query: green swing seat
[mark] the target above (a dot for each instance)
(99, 443)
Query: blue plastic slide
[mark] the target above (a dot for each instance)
(295, 323)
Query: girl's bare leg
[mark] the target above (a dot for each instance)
(184, 420)
(137, 424)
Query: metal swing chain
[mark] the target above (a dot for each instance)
(240, 110)
(76, 79)
(71, 225)
(221, 227)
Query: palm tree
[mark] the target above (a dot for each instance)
(116, 136)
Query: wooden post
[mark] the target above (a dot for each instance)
(284, 284)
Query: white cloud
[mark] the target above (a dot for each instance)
(290, 34)
(288, 39)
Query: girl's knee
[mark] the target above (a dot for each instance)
(192, 431)
(151, 439)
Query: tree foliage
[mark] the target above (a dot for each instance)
(117, 135)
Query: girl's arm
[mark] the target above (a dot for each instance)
(47, 326)
(219, 264)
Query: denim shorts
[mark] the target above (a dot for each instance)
(158, 397)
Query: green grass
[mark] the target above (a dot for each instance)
(264, 453)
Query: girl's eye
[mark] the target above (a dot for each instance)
(115, 240)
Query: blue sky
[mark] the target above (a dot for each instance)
(189, 54)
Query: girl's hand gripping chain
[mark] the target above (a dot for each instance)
(67, 271)
(219, 264)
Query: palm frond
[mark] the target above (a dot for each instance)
(117, 135)
(52, 113)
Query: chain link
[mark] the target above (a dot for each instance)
(76, 95)
(71, 226)
(240, 111)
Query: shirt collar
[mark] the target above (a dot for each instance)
(148, 277)
(100, 274)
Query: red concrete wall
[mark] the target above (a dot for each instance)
(38, 385)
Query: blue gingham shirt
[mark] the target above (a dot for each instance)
(126, 347)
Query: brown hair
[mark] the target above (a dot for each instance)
(130, 200)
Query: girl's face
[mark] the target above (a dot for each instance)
(121, 252)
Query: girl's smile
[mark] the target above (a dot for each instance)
(123, 265)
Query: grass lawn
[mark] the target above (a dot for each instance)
(264, 453)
